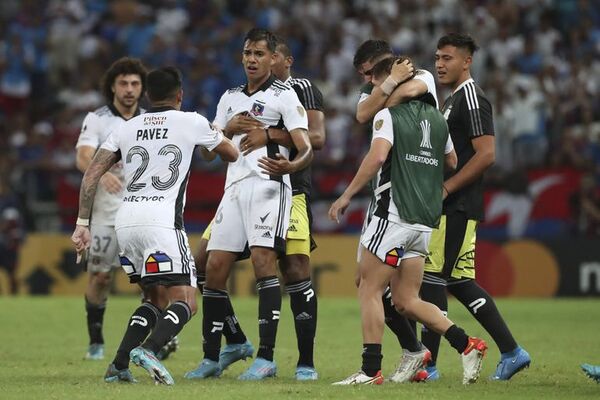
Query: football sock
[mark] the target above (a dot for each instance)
(303, 301)
(435, 294)
(214, 308)
(481, 305)
(169, 324)
(457, 338)
(399, 324)
(232, 330)
(95, 318)
(371, 358)
(139, 326)
(269, 308)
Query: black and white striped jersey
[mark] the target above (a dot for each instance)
(312, 99)
(469, 116)
(273, 104)
(95, 129)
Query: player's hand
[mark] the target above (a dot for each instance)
(242, 123)
(255, 139)
(276, 166)
(402, 71)
(338, 208)
(81, 239)
(111, 183)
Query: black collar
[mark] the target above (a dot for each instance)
(262, 87)
(116, 112)
(160, 109)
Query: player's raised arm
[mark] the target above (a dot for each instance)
(366, 109)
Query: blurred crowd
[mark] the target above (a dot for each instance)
(539, 65)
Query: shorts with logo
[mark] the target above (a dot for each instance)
(156, 255)
(253, 211)
(104, 250)
(392, 242)
(452, 249)
(299, 237)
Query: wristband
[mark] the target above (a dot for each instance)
(83, 221)
(268, 137)
(388, 85)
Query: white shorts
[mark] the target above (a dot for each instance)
(156, 255)
(104, 250)
(392, 242)
(254, 211)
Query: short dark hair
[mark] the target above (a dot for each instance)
(163, 83)
(460, 40)
(370, 50)
(385, 66)
(123, 66)
(257, 34)
(282, 46)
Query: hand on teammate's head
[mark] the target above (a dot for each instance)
(402, 70)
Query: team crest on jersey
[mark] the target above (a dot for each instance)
(257, 109)
(378, 124)
(158, 263)
(300, 110)
(394, 256)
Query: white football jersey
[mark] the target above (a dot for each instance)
(275, 104)
(95, 129)
(156, 149)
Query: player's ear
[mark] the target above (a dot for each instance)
(289, 60)
(468, 62)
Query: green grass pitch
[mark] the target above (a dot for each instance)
(43, 341)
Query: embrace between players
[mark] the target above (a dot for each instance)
(267, 130)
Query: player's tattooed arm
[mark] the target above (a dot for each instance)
(103, 160)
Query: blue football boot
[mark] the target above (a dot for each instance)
(511, 363)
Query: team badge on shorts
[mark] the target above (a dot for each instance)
(257, 109)
(158, 263)
(127, 265)
(394, 256)
(378, 124)
(300, 110)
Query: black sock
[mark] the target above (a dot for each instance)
(457, 338)
(232, 330)
(371, 358)
(399, 324)
(139, 326)
(169, 324)
(214, 308)
(434, 294)
(95, 318)
(303, 301)
(269, 308)
(483, 308)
